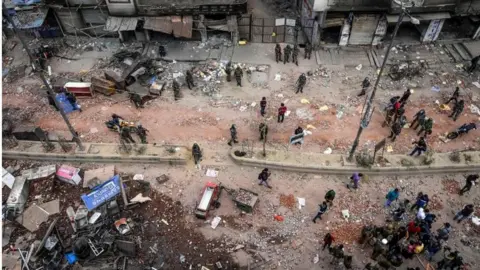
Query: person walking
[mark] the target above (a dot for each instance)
(322, 209)
(196, 153)
(233, 135)
(355, 180)
(396, 130)
(418, 119)
(238, 76)
(392, 195)
(328, 241)
(457, 110)
(302, 80)
(263, 106)
(308, 50)
(263, 129)
(471, 180)
(228, 70)
(454, 96)
(189, 79)
(330, 196)
(420, 146)
(365, 85)
(263, 178)
(281, 113)
(286, 54)
(466, 212)
(295, 54)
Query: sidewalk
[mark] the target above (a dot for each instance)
(337, 164)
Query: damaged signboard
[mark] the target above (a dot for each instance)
(102, 193)
(69, 174)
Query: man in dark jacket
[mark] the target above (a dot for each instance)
(420, 146)
(365, 85)
(278, 53)
(323, 208)
(426, 127)
(418, 119)
(238, 76)
(327, 241)
(228, 70)
(457, 110)
(196, 153)
(454, 96)
(263, 105)
(396, 130)
(308, 50)
(405, 96)
(233, 135)
(263, 178)
(189, 79)
(466, 212)
(470, 181)
(302, 80)
(474, 64)
(286, 54)
(263, 129)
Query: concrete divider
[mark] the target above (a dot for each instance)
(340, 169)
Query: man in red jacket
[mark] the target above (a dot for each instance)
(281, 113)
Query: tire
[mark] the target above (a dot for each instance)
(452, 135)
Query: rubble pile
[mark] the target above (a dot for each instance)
(435, 203)
(210, 74)
(348, 233)
(451, 185)
(96, 228)
(287, 200)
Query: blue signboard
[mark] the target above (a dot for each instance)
(102, 193)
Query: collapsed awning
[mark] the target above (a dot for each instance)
(115, 24)
(160, 24)
(29, 19)
(420, 16)
(229, 24)
(182, 26)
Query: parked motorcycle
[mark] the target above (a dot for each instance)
(464, 129)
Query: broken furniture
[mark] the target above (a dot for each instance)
(40, 173)
(209, 197)
(68, 174)
(80, 89)
(103, 86)
(18, 197)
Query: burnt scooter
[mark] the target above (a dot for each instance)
(464, 129)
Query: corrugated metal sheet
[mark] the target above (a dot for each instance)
(363, 29)
(94, 16)
(114, 24)
(421, 17)
(69, 22)
(160, 24)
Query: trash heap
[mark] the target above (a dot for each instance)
(210, 75)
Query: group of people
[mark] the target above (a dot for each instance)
(238, 72)
(125, 129)
(394, 243)
(287, 51)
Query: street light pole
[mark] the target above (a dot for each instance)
(364, 121)
(42, 77)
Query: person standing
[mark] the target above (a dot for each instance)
(421, 202)
(457, 110)
(442, 233)
(405, 96)
(298, 130)
(426, 127)
(263, 178)
(308, 50)
(238, 76)
(392, 195)
(142, 133)
(263, 129)
(322, 209)
(233, 135)
(278, 53)
(398, 114)
(327, 241)
(418, 119)
(302, 80)
(263, 106)
(196, 153)
(295, 54)
(466, 212)
(281, 113)
(228, 70)
(380, 247)
(454, 96)
(470, 181)
(396, 130)
(365, 85)
(176, 90)
(286, 54)
(474, 64)
(189, 79)
(420, 146)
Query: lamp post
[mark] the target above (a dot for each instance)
(369, 110)
(40, 73)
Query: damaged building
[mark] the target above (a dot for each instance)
(369, 22)
(145, 20)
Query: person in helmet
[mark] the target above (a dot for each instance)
(302, 80)
(142, 133)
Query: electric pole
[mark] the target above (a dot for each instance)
(42, 77)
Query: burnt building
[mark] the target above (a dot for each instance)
(370, 22)
(145, 20)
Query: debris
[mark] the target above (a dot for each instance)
(94, 217)
(51, 207)
(7, 178)
(18, 196)
(280, 95)
(278, 218)
(304, 101)
(474, 109)
(359, 67)
(323, 108)
(122, 226)
(140, 199)
(444, 107)
(436, 88)
(477, 84)
(253, 104)
(215, 222)
(68, 174)
(389, 148)
(40, 173)
(287, 200)
(33, 217)
(162, 179)
(243, 108)
(211, 173)
(6, 234)
(126, 247)
(345, 214)
(138, 177)
(71, 217)
(164, 221)
(278, 77)
(328, 151)
(102, 193)
(182, 258)
(51, 242)
(310, 127)
(98, 176)
(316, 259)
(301, 202)
(81, 217)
